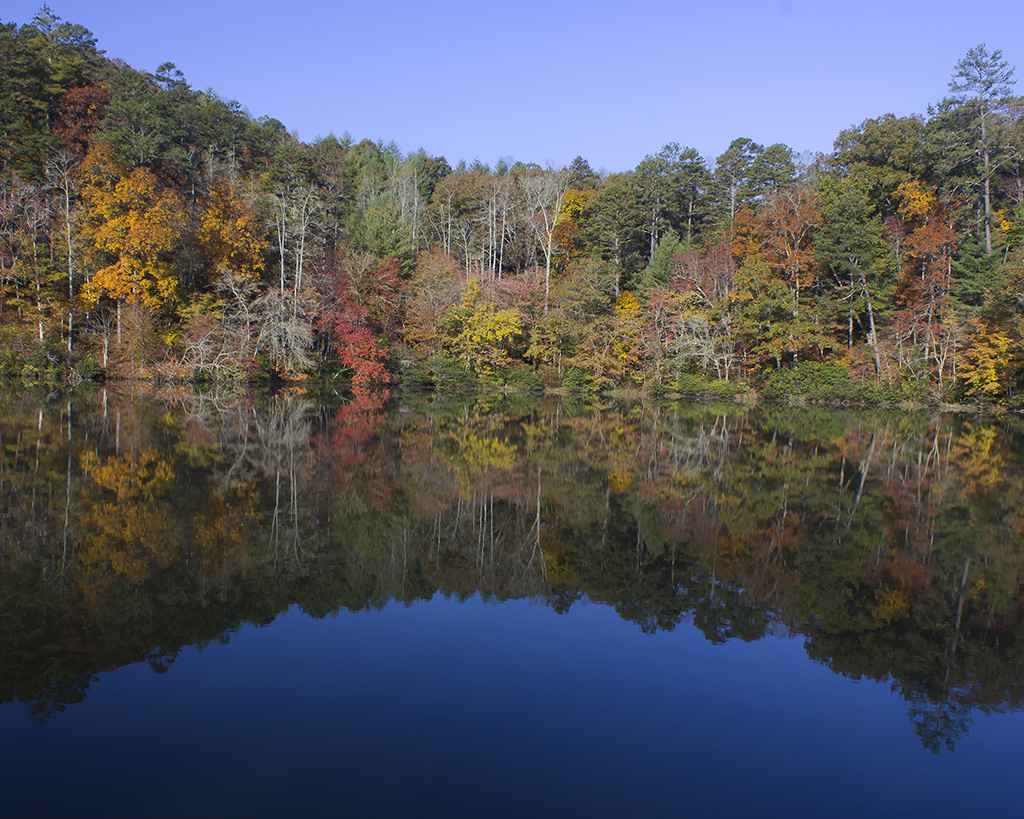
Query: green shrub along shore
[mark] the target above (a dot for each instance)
(829, 384)
(149, 231)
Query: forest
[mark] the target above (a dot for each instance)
(149, 230)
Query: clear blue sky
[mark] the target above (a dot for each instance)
(542, 80)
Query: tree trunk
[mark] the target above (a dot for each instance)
(871, 323)
(988, 197)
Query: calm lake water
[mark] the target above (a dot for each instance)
(514, 605)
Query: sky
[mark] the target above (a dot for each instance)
(544, 80)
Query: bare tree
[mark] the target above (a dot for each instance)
(708, 341)
(285, 329)
(59, 175)
(545, 192)
(294, 219)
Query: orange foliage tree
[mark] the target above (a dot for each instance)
(925, 320)
(230, 233)
(134, 224)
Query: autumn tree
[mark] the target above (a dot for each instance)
(435, 287)
(789, 221)
(230, 234)
(478, 333)
(358, 308)
(626, 362)
(990, 363)
(134, 223)
(359, 348)
(924, 291)
(79, 114)
(568, 233)
(219, 324)
(41, 62)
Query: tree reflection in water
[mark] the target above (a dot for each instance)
(891, 543)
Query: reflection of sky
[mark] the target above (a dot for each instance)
(472, 709)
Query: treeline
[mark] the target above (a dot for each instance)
(150, 229)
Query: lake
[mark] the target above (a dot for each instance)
(274, 606)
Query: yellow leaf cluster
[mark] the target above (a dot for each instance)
(138, 225)
(619, 481)
(990, 364)
(916, 200)
(573, 203)
(890, 604)
(628, 331)
(482, 332)
(133, 477)
(230, 234)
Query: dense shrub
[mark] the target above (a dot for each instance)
(449, 374)
(810, 379)
(88, 369)
(521, 377)
(416, 375)
(691, 384)
(23, 354)
(578, 381)
(831, 382)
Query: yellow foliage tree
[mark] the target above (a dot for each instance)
(990, 364)
(917, 200)
(479, 333)
(568, 236)
(627, 344)
(134, 225)
(230, 234)
(573, 204)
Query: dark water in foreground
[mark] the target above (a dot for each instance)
(283, 608)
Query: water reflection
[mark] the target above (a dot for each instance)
(891, 543)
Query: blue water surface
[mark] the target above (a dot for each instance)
(448, 708)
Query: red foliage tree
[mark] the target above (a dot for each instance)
(360, 315)
(79, 114)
